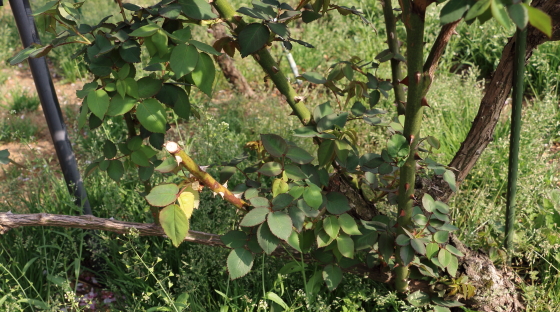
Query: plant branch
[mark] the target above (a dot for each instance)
(394, 46)
(267, 62)
(204, 177)
(439, 47)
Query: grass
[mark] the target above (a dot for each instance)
(39, 266)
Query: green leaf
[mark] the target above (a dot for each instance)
(332, 275)
(148, 87)
(442, 207)
(152, 115)
(98, 102)
(397, 146)
(25, 53)
(313, 196)
(337, 203)
(407, 254)
(183, 59)
(176, 97)
(197, 9)
(274, 144)
(454, 250)
(234, 239)
(130, 51)
(348, 224)
(109, 149)
(331, 226)
(345, 245)
(500, 14)
(418, 246)
(4, 157)
(441, 237)
(280, 224)
(260, 202)
(139, 158)
(171, 11)
(239, 263)
(266, 239)
(299, 156)
(282, 201)
(428, 203)
(252, 38)
(131, 87)
(386, 246)
(204, 47)
(119, 105)
(331, 121)
(145, 173)
(453, 266)
(255, 217)
(313, 77)
(519, 15)
(539, 20)
(444, 257)
(418, 298)
(279, 186)
(293, 241)
(446, 303)
(159, 39)
(163, 195)
(182, 35)
(420, 219)
(366, 241)
(431, 250)
(449, 177)
(204, 73)
(323, 239)
(441, 309)
(298, 217)
(276, 299)
(322, 110)
(402, 240)
(294, 172)
(174, 223)
(115, 170)
(145, 31)
(433, 142)
(477, 9)
(271, 169)
(453, 11)
(325, 153)
(168, 165)
(280, 29)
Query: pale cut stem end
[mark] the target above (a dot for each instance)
(172, 147)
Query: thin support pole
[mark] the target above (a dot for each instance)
(49, 102)
(518, 88)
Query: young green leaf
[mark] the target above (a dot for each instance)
(345, 245)
(98, 102)
(152, 116)
(266, 239)
(163, 195)
(183, 59)
(348, 224)
(279, 186)
(252, 38)
(204, 73)
(234, 239)
(331, 226)
(174, 223)
(280, 224)
(332, 275)
(539, 20)
(239, 263)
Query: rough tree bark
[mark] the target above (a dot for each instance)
(232, 74)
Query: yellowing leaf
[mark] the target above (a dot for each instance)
(186, 202)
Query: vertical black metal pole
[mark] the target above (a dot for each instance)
(49, 101)
(518, 88)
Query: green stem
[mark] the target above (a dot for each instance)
(413, 15)
(267, 62)
(518, 88)
(393, 42)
